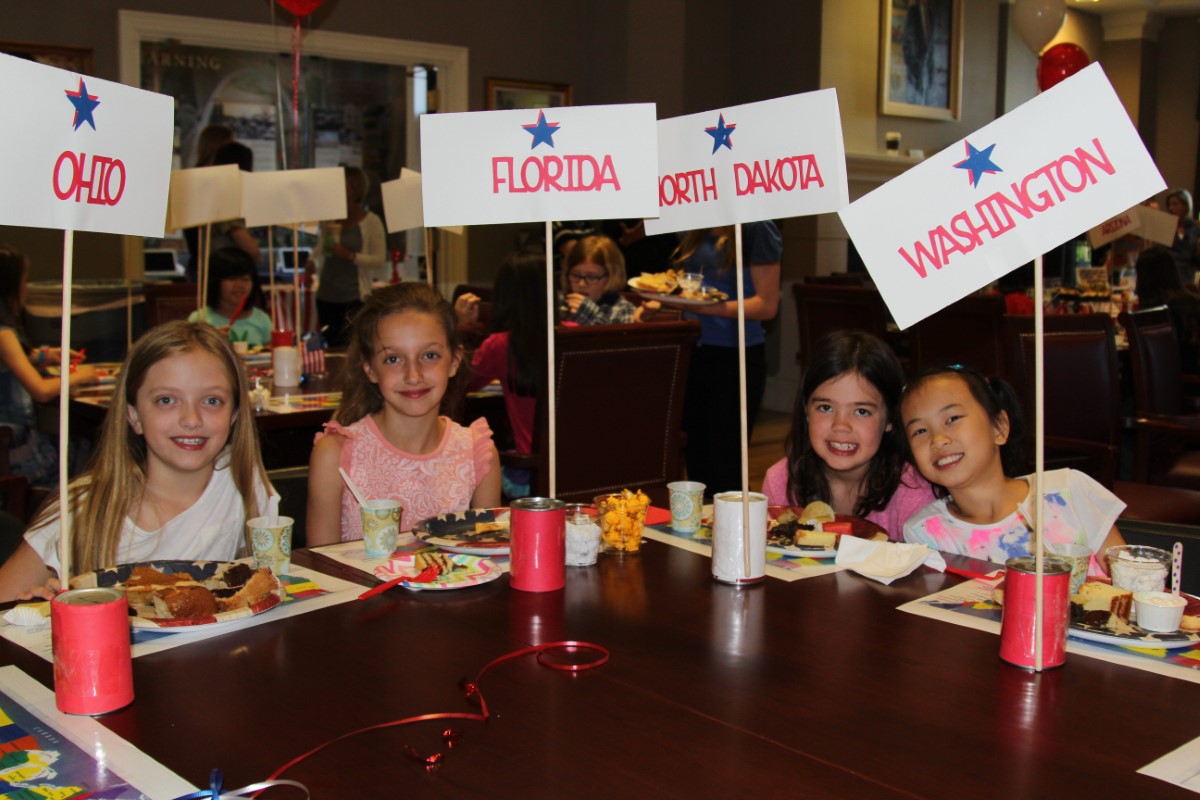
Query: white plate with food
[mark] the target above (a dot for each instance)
(1136, 638)
(189, 596)
(788, 527)
(458, 571)
(474, 532)
(658, 291)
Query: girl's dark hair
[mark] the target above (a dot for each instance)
(232, 262)
(994, 395)
(12, 272)
(360, 396)
(234, 153)
(519, 307)
(837, 354)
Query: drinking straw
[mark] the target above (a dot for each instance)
(350, 485)
(1176, 566)
(273, 510)
(237, 311)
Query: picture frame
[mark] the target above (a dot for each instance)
(504, 93)
(68, 57)
(920, 69)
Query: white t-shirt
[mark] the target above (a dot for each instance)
(1077, 510)
(213, 529)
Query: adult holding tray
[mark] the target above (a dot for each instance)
(711, 404)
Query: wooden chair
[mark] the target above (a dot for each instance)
(1167, 423)
(168, 301)
(969, 332)
(824, 308)
(1082, 410)
(619, 394)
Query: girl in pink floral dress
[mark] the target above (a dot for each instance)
(389, 433)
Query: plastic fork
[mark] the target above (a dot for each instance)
(427, 575)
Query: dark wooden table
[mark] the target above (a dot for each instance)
(817, 688)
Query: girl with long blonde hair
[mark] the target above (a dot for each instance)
(177, 472)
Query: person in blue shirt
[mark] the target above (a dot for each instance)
(711, 405)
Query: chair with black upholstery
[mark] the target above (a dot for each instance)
(619, 404)
(168, 301)
(1167, 421)
(969, 331)
(1082, 409)
(291, 483)
(823, 308)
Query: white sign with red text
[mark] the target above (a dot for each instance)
(203, 195)
(1042, 174)
(579, 162)
(292, 196)
(778, 158)
(80, 153)
(402, 203)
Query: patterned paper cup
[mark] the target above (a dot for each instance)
(272, 543)
(380, 526)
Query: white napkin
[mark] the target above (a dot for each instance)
(885, 561)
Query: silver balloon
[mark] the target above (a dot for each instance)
(1038, 21)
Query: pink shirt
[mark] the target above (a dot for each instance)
(490, 363)
(427, 485)
(913, 494)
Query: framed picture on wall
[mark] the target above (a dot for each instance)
(72, 59)
(920, 58)
(505, 94)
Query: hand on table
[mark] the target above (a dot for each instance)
(46, 592)
(83, 373)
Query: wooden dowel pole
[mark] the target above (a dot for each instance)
(64, 403)
(1039, 426)
(551, 400)
(741, 339)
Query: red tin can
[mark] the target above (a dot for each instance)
(1017, 641)
(538, 555)
(93, 673)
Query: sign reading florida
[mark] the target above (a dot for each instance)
(582, 162)
(778, 158)
(83, 154)
(1062, 163)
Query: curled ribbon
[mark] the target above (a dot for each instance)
(546, 655)
(215, 792)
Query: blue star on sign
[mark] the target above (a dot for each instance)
(721, 133)
(542, 131)
(84, 104)
(978, 162)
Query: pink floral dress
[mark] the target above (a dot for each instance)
(427, 485)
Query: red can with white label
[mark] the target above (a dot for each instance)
(93, 671)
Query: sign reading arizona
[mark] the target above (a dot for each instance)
(81, 153)
(1044, 173)
(580, 162)
(778, 158)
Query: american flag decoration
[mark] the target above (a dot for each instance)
(314, 353)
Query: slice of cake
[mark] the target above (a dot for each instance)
(815, 538)
(1096, 602)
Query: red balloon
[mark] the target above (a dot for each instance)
(1059, 63)
(301, 8)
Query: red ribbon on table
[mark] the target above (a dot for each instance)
(545, 655)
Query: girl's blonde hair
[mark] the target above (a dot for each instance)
(102, 498)
(599, 250)
(693, 239)
(360, 396)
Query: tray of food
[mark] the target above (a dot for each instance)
(189, 596)
(665, 287)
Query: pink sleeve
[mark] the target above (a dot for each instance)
(332, 427)
(481, 447)
(913, 494)
(489, 363)
(775, 484)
